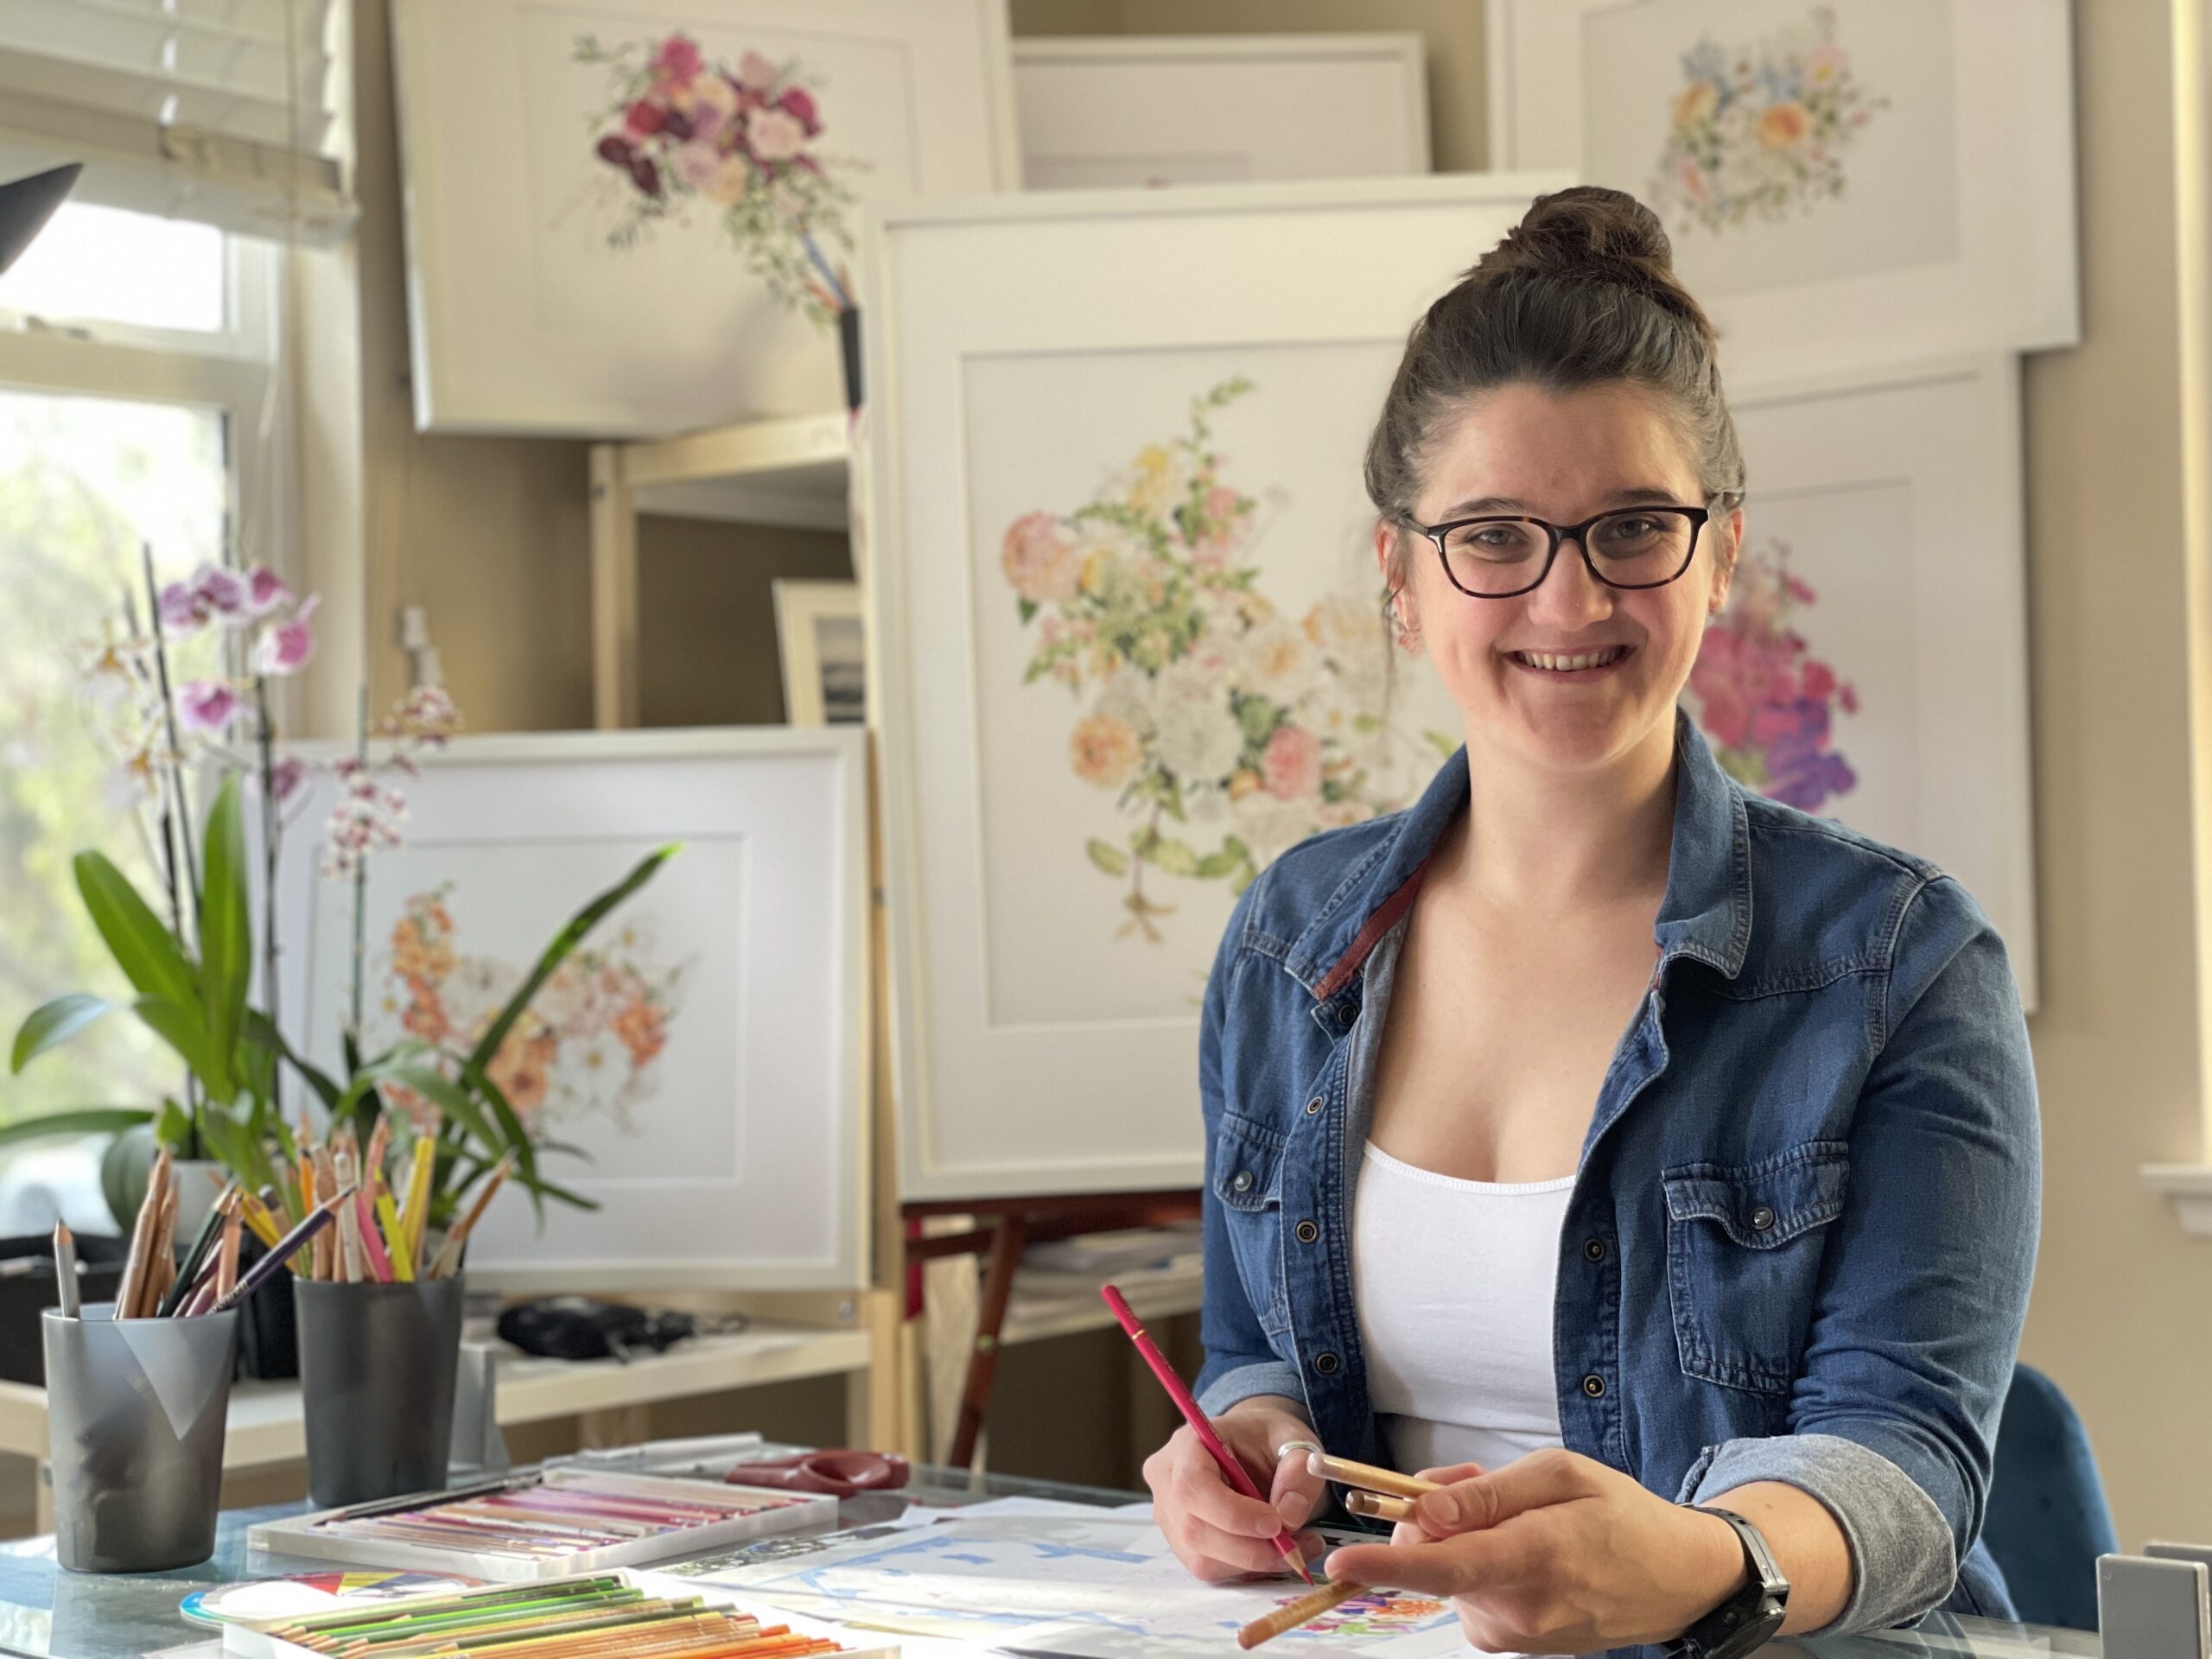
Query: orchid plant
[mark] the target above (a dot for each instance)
(191, 970)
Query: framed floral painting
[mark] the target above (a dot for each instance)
(630, 218)
(1217, 108)
(1844, 181)
(1128, 637)
(1871, 664)
(702, 1055)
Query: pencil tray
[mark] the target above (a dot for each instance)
(321, 1537)
(377, 1364)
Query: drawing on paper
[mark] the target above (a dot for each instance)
(742, 141)
(1762, 131)
(1223, 729)
(1765, 702)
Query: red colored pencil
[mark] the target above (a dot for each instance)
(1189, 1406)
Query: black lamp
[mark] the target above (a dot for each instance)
(27, 204)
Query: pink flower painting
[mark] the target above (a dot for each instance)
(1765, 702)
(682, 133)
(1222, 730)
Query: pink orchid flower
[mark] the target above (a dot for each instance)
(286, 777)
(285, 647)
(207, 705)
(179, 609)
(264, 591)
(220, 594)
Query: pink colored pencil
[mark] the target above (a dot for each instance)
(1185, 1404)
(371, 1243)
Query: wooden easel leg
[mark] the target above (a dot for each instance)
(1006, 1246)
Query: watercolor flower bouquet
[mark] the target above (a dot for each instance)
(742, 141)
(1765, 701)
(1224, 730)
(1763, 131)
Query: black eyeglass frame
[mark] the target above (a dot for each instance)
(1579, 534)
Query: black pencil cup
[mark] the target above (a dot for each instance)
(377, 1367)
(135, 1415)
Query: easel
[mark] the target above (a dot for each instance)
(1014, 1224)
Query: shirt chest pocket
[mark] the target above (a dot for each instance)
(1248, 1184)
(1744, 1244)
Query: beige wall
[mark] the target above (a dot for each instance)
(489, 534)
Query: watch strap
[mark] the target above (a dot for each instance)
(1750, 1616)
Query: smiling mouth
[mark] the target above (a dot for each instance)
(1550, 662)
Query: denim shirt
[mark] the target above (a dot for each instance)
(1803, 1223)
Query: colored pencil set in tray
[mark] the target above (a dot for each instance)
(543, 1525)
(567, 1619)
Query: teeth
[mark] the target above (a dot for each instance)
(1565, 664)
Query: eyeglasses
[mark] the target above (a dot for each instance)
(1629, 547)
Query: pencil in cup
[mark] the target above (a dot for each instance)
(1285, 1541)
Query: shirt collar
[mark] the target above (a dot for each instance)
(1707, 912)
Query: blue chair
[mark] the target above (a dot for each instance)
(2048, 1521)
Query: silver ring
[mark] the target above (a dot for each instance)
(1289, 1447)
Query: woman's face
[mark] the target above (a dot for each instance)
(1563, 457)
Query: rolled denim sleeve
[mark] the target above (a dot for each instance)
(1924, 1285)
(1239, 1362)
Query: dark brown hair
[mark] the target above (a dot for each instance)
(1582, 292)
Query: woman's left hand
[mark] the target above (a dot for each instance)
(1554, 1553)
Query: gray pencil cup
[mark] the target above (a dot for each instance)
(135, 1412)
(377, 1365)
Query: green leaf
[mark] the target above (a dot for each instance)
(53, 1024)
(518, 1139)
(1027, 607)
(81, 1120)
(179, 1024)
(225, 921)
(454, 1100)
(565, 941)
(1107, 857)
(1214, 866)
(260, 1029)
(173, 1126)
(1172, 857)
(141, 945)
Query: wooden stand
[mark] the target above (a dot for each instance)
(1014, 1225)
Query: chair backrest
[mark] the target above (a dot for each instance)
(2048, 1521)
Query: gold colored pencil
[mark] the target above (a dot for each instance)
(1367, 1476)
(1375, 1507)
(132, 1291)
(1304, 1610)
(226, 1264)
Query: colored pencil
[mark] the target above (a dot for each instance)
(1286, 1543)
(259, 1218)
(261, 1271)
(373, 1251)
(1304, 1610)
(65, 1271)
(449, 1260)
(395, 1239)
(1375, 1507)
(415, 1214)
(187, 1272)
(1366, 1477)
(226, 1264)
(137, 1265)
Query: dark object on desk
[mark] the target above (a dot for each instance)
(2046, 1521)
(27, 204)
(378, 1366)
(28, 1288)
(838, 1473)
(579, 1327)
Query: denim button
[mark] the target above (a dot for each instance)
(1307, 1232)
(1593, 1385)
(1242, 1183)
(1346, 1014)
(1761, 1218)
(1327, 1364)
(1313, 1107)
(1595, 1249)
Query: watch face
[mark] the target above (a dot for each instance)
(1757, 1631)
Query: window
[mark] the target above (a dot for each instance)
(137, 397)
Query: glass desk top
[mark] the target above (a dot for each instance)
(47, 1614)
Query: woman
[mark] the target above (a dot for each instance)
(1615, 1146)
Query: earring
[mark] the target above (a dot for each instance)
(1408, 633)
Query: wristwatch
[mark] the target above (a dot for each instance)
(1750, 1616)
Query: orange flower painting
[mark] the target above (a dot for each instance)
(589, 1045)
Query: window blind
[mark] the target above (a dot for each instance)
(229, 111)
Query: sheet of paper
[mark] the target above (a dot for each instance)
(1097, 1586)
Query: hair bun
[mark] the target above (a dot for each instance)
(1591, 234)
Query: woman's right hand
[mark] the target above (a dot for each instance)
(1214, 1529)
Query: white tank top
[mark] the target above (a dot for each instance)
(1454, 1281)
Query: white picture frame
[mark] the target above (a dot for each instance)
(1955, 229)
(821, 638)
(1117, 112)
(742, 1160)
(1896, 497)
(525, 317)
(1029, 348)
